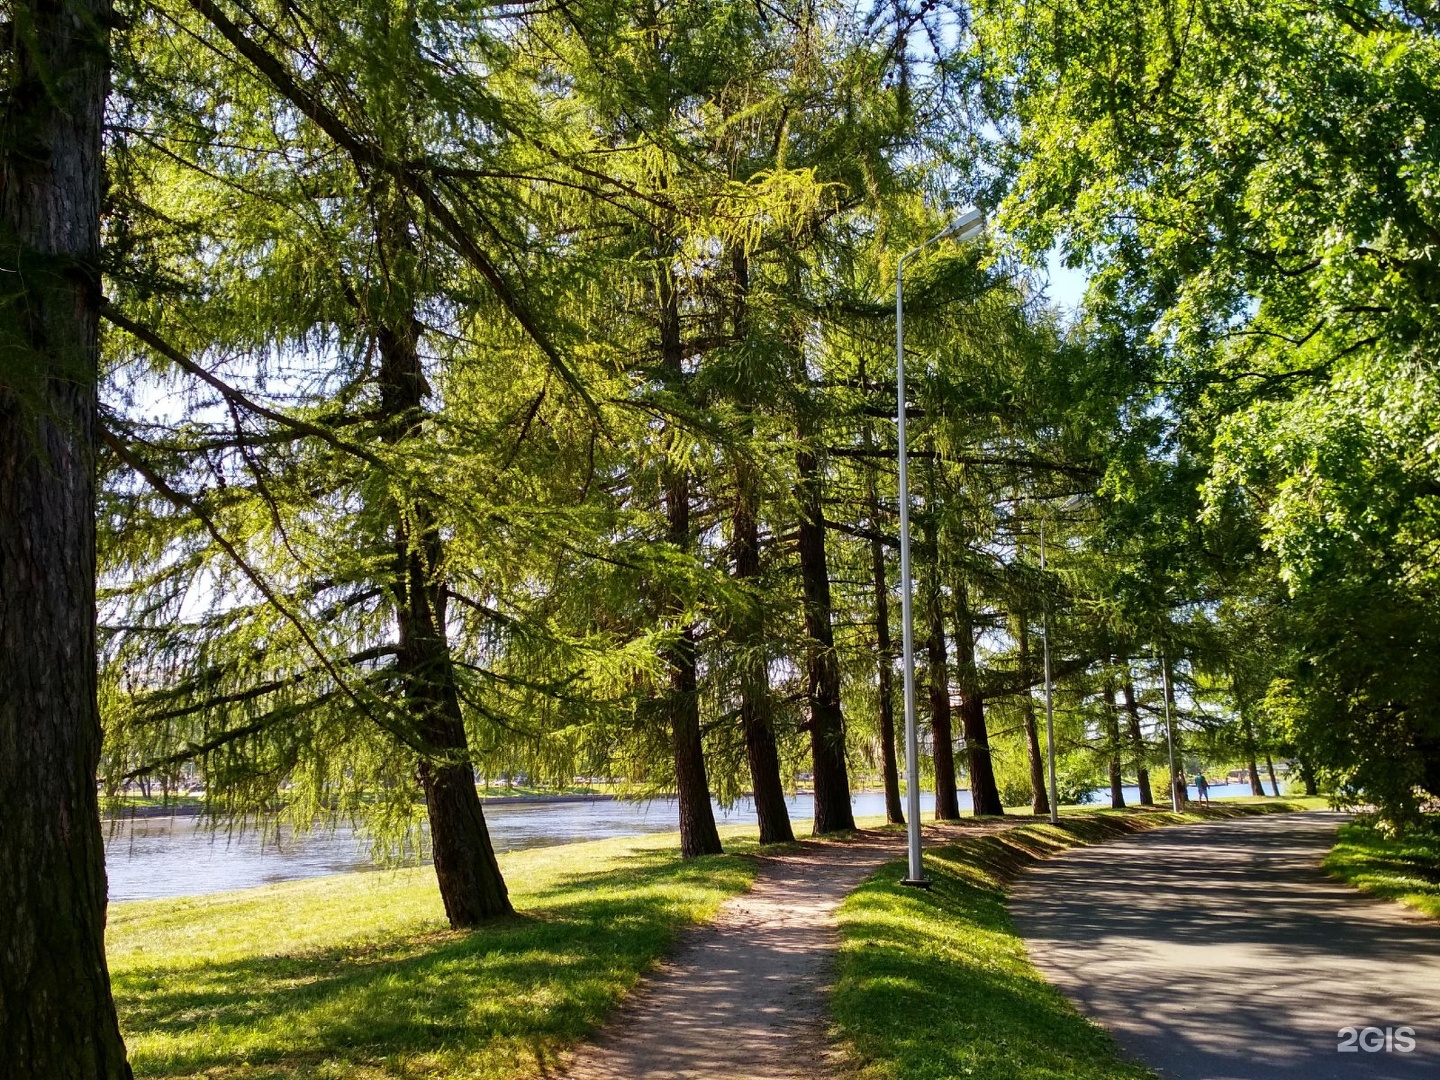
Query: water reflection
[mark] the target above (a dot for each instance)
(149, 858)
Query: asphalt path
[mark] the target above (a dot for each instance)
(1222, 951)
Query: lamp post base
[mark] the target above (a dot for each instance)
(916, 883)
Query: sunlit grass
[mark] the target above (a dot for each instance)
(357, 975)
(130, 802)
(936, 985)
(1404, 868)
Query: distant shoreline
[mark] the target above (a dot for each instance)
(195, 809)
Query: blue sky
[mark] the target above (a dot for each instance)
(1065, 288)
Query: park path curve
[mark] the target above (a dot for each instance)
(1222, 951)
(743, 998)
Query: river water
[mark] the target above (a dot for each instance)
(153, 857)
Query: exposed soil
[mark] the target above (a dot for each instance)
(744, 998)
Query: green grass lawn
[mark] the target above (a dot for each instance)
(1404, 868)
(498, 789)
(935, 985)
(358, 976)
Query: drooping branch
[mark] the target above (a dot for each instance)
(977, 461)
(184, 502)
(192, 751)
(368, 156)
(234, 396)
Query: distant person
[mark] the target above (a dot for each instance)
(1202, 789)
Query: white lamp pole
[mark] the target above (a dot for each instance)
(962, 228)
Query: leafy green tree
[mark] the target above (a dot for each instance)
(1251, 192)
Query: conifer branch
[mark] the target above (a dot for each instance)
(368, 156)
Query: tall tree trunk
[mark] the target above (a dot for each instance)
(471, 885)
(755, 713)
(57, 1018)
(983, 790)
(1112, 745)
(698, 835)
(1307, 777)
(942, 734)
(1256, 787)
(1248, 730)
(827, 727)
(885, 665)
(1177, 781)
(1137, 743)
(884, 647)
(1039, 796)
(1270, 767)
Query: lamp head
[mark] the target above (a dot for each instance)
(967, 225)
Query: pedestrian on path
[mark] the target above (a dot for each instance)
(1202, 788)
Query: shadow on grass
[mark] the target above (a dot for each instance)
(935, 984)
(494, 1002)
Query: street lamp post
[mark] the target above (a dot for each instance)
(962, 228)
(1049, 693)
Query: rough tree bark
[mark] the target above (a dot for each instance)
(1112, 744)
(755, 714)
(1256, 787)
(1248, 729)
(57, 1018)
(827, 724)
(1307, 777)
(942, 732)
(1177, 782)
(983, 790)
(698, 835)
(1270, 767)
(884, 660)
(471, 885)
(756, 717)
(1137, 743)
(1039, 796)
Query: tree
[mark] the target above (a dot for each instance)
(937, 667)
(336, 563)
(57, 1019)
(1249, 191)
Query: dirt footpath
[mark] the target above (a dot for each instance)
(744, 997)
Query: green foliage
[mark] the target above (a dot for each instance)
(621, 244)
(447, 346)
(1251, 193)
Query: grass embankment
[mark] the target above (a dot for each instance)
(498, 789)
(112, 806)
(1404, 868)
(935, 985)
(358, 976)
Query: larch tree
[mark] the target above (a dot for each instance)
(57, 1017)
